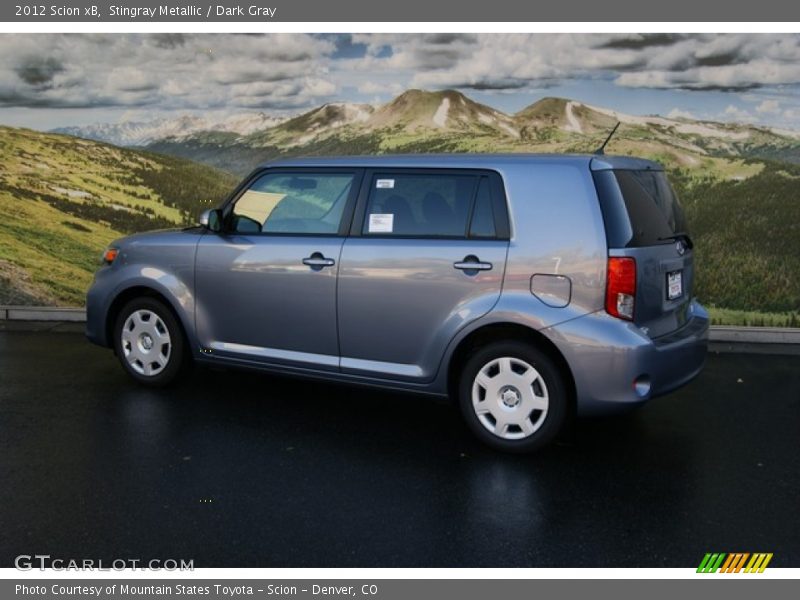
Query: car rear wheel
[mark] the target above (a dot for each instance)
(149, 342)
(513, 397)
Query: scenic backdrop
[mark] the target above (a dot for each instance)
(101, 136)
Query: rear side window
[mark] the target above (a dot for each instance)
(640, 208)
(420, 205)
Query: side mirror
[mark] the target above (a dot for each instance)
(211, 219)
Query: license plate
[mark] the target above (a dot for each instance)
(674, 285)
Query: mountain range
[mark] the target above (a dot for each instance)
(142, 133)
(449, 121)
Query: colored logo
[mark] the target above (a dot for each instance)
(737, 562)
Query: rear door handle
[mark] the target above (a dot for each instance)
(317, 260)
(472, 263)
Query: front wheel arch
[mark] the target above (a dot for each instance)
(132, 293)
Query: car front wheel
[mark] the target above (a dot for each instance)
(149, 342)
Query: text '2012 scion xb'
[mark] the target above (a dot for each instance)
(527, 287)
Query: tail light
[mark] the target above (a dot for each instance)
(110, 255)
(621, 287)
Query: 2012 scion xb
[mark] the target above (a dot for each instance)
(528, 287)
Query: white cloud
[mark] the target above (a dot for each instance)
(678, 113)
(770, 107)
(168, 71)
(379, 88)
(734, 113)
(728, 61)
(755, 73)
(226, 72)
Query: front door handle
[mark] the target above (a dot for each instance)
(318, 261)
(472, 263)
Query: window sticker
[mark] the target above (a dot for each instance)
(384, 184)
(381, 223)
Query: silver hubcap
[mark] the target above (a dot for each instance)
(510, 398)
(146, 343)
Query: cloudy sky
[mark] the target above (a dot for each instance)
(52, 80)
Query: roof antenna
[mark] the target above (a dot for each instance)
(601, 150)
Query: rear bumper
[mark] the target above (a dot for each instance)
(615, 365)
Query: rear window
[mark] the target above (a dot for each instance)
(640, 208)
(419, 205)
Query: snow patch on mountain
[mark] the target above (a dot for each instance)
(573, 124)
(440, 116)
(708, 130)
(509, 130)
(694, 128)
(350, 113)
(785, 132)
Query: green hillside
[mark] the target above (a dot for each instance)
(63, 199)
(747, 244)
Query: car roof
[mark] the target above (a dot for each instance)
(465, 161)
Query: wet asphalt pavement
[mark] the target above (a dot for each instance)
(238, 469)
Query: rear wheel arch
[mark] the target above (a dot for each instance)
(499, 332)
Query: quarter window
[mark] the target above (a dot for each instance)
(482, 225)
(294, 203)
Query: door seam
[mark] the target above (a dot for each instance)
(336, 303)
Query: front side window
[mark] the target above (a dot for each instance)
(420, 205)
(293, 203)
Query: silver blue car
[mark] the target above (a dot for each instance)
(529, 288)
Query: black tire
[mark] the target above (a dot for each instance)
(176, 357)
(547, 423)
